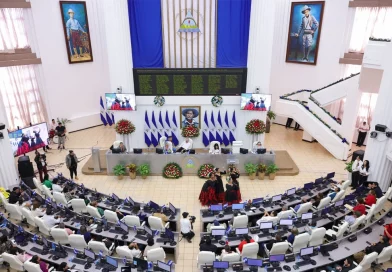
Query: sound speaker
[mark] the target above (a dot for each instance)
(29, 182)
(381, 128)
(25, 167)
(360, 153)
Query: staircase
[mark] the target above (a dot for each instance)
(306, 108)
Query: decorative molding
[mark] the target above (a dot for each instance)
(369, 3)
(14, 4)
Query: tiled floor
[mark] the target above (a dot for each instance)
(312, 159)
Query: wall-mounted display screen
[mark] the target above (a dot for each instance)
(255, 102)
(28, 139)
(212, 81)
(123, 101)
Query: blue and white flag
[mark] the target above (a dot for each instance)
(154, 138)
(226, 123)
(166, 124)
(160, 123)
(109, 119)
(147, 132)
(174, 120)
(219, 123)
(153, 121)
(232, 138)
(102, 112)
(206, 140)
(218, 136)
(211, 131)
(173, 126)
(113, 119)
(233, 122)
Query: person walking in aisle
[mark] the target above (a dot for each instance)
(72, 164)
(357, 164)
(362, 132)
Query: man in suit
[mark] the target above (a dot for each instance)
(308, 27)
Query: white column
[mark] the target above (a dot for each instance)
(261, 32)
(118, 43)
(377, 149)
(8, 172)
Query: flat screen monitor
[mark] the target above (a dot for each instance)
(326, 210)
(349, 197)
(237, 206)
(257, 200)
(389, 270)
(148, 230)
(164, 266)
(154, 206)
(290, 192)
(225, 150)
(276, 198)
(276, 258)
(29, 138)
(115, 197)
(255, 102)
(140, 263)
(124, 227)
(255, 262)
(241, 231)
(308, 186)
(286, 222)
(131, 201)
(137, 151)
(45, 242)
(89, 254)
(307, 216)
(330, 175)
(306, 251)
(39, 198)
(318, 181)
(265, 225)
(111, 261)
(169, 234)
(123, 101)
(222, 265)
(218, 232)
(339, 203)
(172, 208)
(217, 207)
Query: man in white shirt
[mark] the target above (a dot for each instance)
(267, 218)
(150, 245)
(185, 146)
(355, 172)
(186, 227)
(56, 187)
(50, 220)
(362, 132)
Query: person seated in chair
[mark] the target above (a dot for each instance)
(208, 246)
(161, 215)
(185, 146)
(347, 265)
(118, 147)
(49, 219)
(374, 186)
(95, 204)
(334, 192)
(350, 219)
(216, 149)
(360, 207)
(246, 240)
(378, 247)
(257, 146)
(271, 243)
(150, 245)
(99, 238)
(371, 198)
(14, 195)
(55, 186)
(134, 250)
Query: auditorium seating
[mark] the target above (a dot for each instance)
(60, 198)
(13, 261)
(304, 208)
(77, 241)
(156, 223)
(132, 220)
(240, 221)
(317, 237)
(60, 235)
(338, 231)
(231, 257)
(300, 241)
(156, 254)
(111, 216)
(323, 203)
(205, 257)
(277, 248)
(93, 211)
(249, 250)
(78, 205)
(96, 247)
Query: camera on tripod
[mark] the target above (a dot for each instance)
(192, 219)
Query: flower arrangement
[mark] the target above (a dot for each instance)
(205, 170)
(132, 167)
(124, 127)
(190, 131)
(217, 100)
(159, 101)
(255, 126)
(172, 171)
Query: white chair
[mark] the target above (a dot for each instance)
(273, 219)
(323, 203)
(359, 221)
(38, 186)
(13, 261)
(231, 257)
(60, 198)
(15, 211)
(78, 205)
(29, 216)
(211, 226)
(212, 146)
(4, 201)
(111, 216)
(60, 235)
(47, 192)
(368, 260)
(132, 220)
(339, 195)
(300, 241)
(285, 214)
(42, 227)
(338, 232)
(240, 221)
(77, 241)
(93, 212)
(345, 185)
(304, 208)
(124, 252)
(156, 223)
(249, 250)
(384, 256)
(380, 204)
(357, 269)
(388, 193)
(370, 214)
(205, 258)
(317, 237)
(100, 246)
(277, 248)
(156, 254)
(32, 267)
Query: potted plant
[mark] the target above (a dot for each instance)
(119, 171)
(144, 170)
(261, 169)
(270, 116)
(132, 170)
(349, 169)
(251, 169)
(271, 171)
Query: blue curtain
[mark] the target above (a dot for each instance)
(146, 33)
(233, 33)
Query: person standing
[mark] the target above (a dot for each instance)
(219, 189)
(52, 132)
(40, 160)
(72, 164)
(61, 130)
(362, 132)
(364, 172)
(207, 195)
(357, 164)
(308, 27)
(288, 122)
(231, 191)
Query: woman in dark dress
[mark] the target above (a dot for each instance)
(232, 189)
(219, 189)
(236, 174)
(207, 194)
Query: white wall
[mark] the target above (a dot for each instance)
(70, 90)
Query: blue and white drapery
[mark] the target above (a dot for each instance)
(154, 130)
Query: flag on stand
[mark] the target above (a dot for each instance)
(113, 119)
(206, 141)
(147, 132)
(212, 128)
(232, 128)
(102, 111)
(154, 132)
(226, 132)
(218, 127)
(174, 129)
(109, 119)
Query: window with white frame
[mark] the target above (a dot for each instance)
(12, 29)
